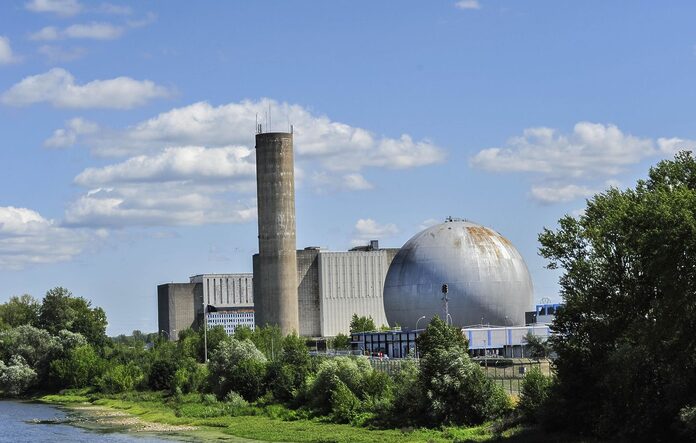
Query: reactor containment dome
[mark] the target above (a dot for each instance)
(487, 279)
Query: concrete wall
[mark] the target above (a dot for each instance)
(275, 273)
(308, 292)
(177, 308)
(351, 283)
(226, 290)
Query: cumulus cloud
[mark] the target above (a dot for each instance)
(560, 194)
(468, 4)
(176, 164)
(591, 149)
(92, 31)
(367, 229)
(425, 224)
(63, 8)
(28, 238)
(151, 204)
(7, 56)
(184, 166)
(67, 136)
(58, 87)
(337, 146)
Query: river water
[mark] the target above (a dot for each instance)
(35, 422)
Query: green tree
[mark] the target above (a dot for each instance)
(16, 378)
(538, 347)
(80, 368)
(60, 310)
(440, 335)
(36, 347)
(626, 362)
(120, 378)
(18, 311)
(341, 341)
(237, 366)
(362, 324)
(287, 374)
(534, 394)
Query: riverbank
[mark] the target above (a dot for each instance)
(191, 416)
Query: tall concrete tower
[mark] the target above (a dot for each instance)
(275, 270)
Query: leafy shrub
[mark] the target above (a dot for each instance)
(120, 378)
(191, 376)
(533, 395)
(687, 417)
(458, 391)
(344, 404)
(237, 366)
(16, 378)
(79, 368)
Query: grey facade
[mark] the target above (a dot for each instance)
(226, 290)
(487, 277)
(178, 308)
(275, 270)
(332, 286)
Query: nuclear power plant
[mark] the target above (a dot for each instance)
(464, 272)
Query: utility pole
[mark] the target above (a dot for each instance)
(445, 299)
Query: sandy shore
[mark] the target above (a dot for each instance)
(107, 417)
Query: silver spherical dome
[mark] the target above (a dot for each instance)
(487, 278)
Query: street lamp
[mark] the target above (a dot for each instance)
(168, 336)
(415, 346)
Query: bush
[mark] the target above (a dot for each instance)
(533, 395)
(344, 404)
(79, 368)
(237, 366)
(120, 378)
(191, 376)
(458, 391)
(161, 376)
(16, 378)
(687, 417)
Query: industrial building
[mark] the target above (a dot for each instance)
(485, 278)
(181, 305)
(177, 307)
(505, 341)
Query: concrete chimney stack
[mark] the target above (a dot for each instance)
(275, 270)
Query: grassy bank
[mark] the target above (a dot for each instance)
(269, 423)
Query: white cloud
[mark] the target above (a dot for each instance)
(151, 204)
(178, 186)
(63, 8)
(176, 164)
(592, 149)
(468, 4)
(560, 194)
(28, 238)
(323, 182)
(337, 146)
(670, 146)
(56, 54)
(93, 31)
(184, 166)
(425, 224)
(7, 56)
(67, 136)
(367, 229)
(58, 88)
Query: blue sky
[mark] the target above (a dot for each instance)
(127, 145)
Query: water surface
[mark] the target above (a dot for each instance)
(35, 422)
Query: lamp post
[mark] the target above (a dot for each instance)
(416, 334)
(168, 336)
